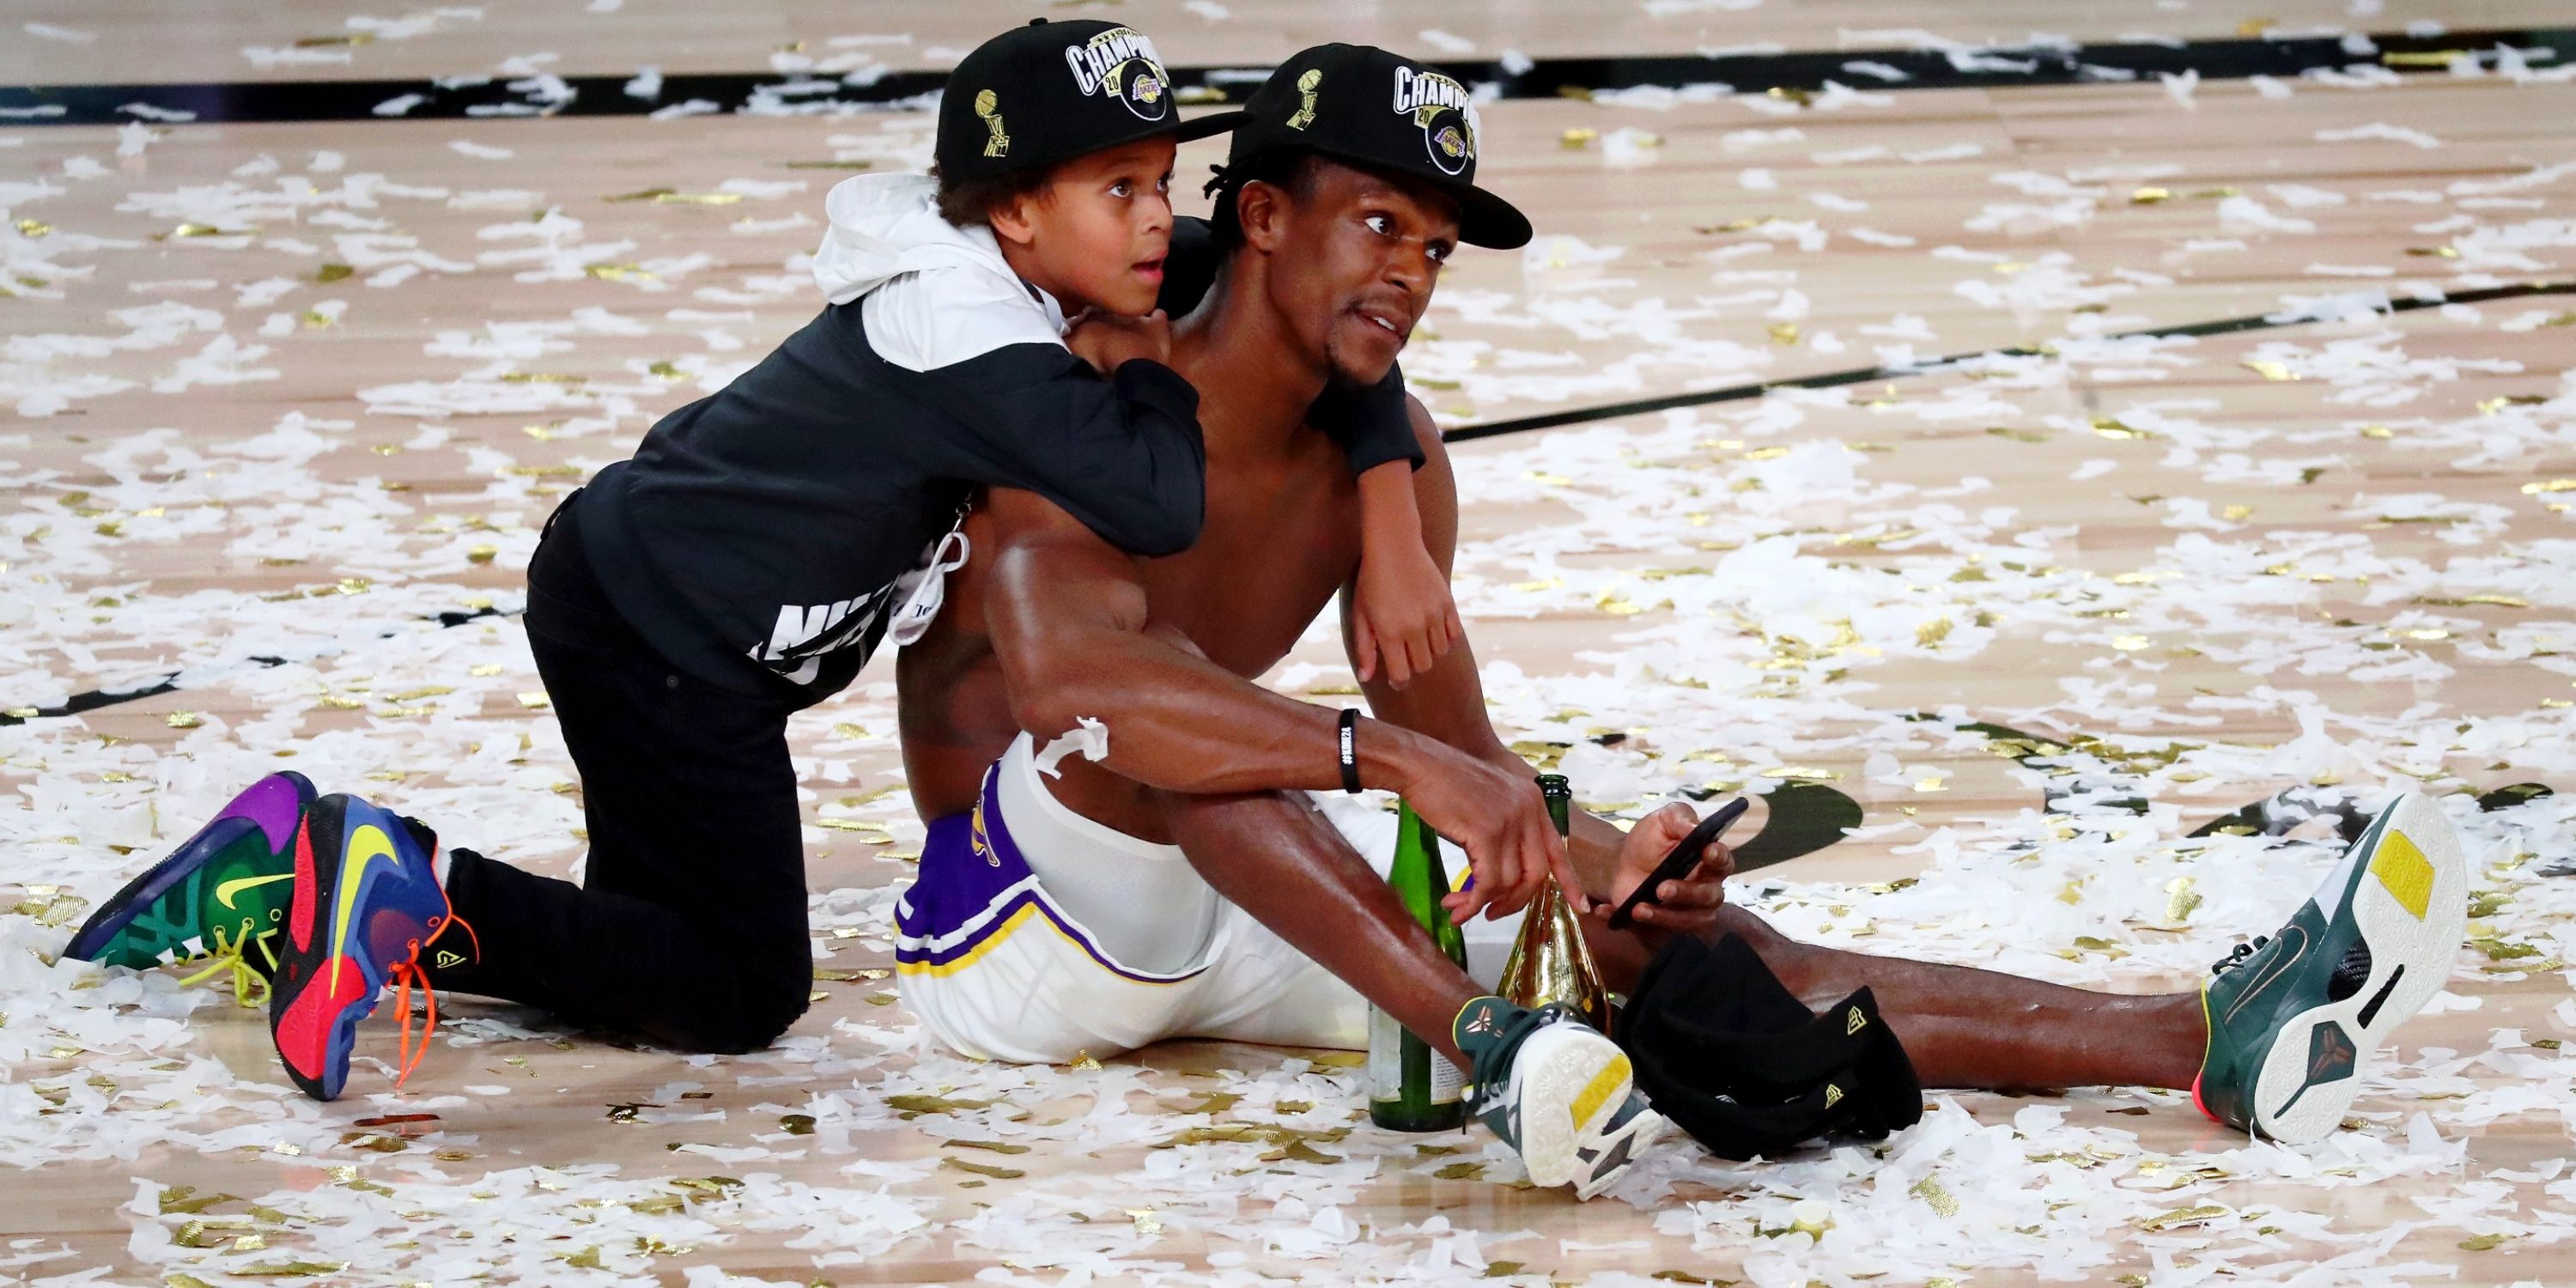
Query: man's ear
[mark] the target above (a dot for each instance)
(1261, 208)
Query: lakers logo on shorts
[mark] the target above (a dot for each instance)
(977, 841)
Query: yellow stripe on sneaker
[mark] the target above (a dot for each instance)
(1598, 1091)
(2405, 871)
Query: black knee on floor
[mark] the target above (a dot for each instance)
(770, 993)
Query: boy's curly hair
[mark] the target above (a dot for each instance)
(968, 203)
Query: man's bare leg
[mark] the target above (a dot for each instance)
(1273, 856)
(1970, 1028)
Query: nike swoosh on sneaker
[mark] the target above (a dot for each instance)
(366, 845)
(2272, 972)
(224, 893)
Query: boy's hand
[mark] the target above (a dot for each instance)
(1108, 342)
(1403, 614)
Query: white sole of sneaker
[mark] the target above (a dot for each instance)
(2412, 905)
(1570, 1083)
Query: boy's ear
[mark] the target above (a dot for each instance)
(1261, 208)
(1013, 217)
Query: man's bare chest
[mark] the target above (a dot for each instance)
(1277, 544)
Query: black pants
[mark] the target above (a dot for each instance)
(690, 927)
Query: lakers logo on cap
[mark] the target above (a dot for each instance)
(1446, 114)
(1306, 87)
(1120, 63)
(990, 108)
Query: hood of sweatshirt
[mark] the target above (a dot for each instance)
(886, 225)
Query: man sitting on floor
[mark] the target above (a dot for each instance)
(1159, 870)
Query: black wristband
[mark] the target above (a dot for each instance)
(1350, 750)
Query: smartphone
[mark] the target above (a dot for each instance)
(1679, 862)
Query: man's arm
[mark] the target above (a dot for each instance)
(1447, 702)
(1069, 626)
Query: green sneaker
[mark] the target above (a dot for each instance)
(1555, 1090)
(2295, 1015)
(221, 895)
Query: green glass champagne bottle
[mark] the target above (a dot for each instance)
(1411, 1086)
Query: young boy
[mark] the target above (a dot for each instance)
(744, 565)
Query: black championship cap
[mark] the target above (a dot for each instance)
(1382, 110)
(1052, 91)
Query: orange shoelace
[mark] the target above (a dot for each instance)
(408, 970)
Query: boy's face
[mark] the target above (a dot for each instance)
(1095, 235)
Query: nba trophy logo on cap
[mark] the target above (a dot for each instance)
(1122, 64)
(990, 108)
(1306, 86)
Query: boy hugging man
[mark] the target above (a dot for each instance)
(994, 325)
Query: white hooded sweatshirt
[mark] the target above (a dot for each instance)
(936, 294)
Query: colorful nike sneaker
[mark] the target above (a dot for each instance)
(1556, 1090)
(2296, 1015)
(220, 895)
(366, 904)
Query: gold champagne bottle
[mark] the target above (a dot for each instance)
(1549, 961)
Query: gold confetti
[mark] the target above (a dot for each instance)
(1932, 632)
(342, 39)
(1146, 1221)
(909, 1106)
(2269, 369)
(2180, 899)
(1577, 138)
(332, 272)
(1788, 94)
(183, 720)
(2149, 196)
(536, 700)
(1784, 333)
(619, 272)
(2181, 1217)
(2128, 643)
(669, 197)
(207, 230)
(34, 228)
(997, 1146)
(2549, 486)
(2434, 252)
(2467, 601)
(983, 1169)
(1935, 1195)
(2480, 1242)
(2421, 58)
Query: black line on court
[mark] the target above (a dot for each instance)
(1790, 74)
(1858, 375)
(95, 699)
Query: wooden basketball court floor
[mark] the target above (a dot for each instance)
(281, 395)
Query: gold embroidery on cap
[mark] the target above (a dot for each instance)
(990, 108)
(1306, 84)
